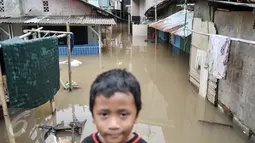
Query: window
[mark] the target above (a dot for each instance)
(2, 9)
(46, 6)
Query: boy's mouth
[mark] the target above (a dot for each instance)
(114, 136)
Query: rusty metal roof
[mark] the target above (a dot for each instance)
(77, 20)
(174, 23)
(54, 20)
(252, 5)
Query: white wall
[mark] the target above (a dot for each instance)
(142, 8)
(92, 37)
(117, 5)
(135, 7)
(140, 30)
(149, 3)
(65, 7)
(12, 8)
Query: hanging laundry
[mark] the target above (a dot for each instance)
(219, 47)
(198, 59)
(15, 39)
(32, 71)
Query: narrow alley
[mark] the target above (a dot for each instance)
(194, 60)
(171, 106)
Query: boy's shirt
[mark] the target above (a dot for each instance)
(94, 138)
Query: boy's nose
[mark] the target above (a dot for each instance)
(113, 124)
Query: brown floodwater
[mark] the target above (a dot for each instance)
(171, 105)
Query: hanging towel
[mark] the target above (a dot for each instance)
(32, 71)
(15, 39)
(218, 55)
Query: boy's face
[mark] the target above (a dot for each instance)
(115, 117)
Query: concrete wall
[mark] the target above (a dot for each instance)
(140, 30)
(92, 37)
(149, 3)
(12, 8)
(135, 8)
(201, 10)
(237, 92)
(65, 7)
(142, 8)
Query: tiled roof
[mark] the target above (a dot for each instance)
(78, 20)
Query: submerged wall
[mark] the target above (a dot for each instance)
(237, 92)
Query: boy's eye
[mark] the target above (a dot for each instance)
(124, 114)
(103, 114)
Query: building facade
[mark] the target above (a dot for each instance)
(52, 15)
(237, 91)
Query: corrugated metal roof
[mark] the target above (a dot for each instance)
(235, 3)
(3, 19)
(33, 20)
(79, 20)
(16, 20)
(184, 32)
(98, 20)
(174, 23)
(54, 20)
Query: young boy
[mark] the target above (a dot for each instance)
(115, 103)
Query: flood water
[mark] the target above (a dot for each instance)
(171, 105)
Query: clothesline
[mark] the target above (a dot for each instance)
(39, 30)
(231, 38)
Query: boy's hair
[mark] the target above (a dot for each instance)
(116, 80)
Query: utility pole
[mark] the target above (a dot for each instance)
(185, 25)
(156, 35)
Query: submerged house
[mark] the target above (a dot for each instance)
(86, 20)
(171, 22)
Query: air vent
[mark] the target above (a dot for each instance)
(46, 6)
(2, 8)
